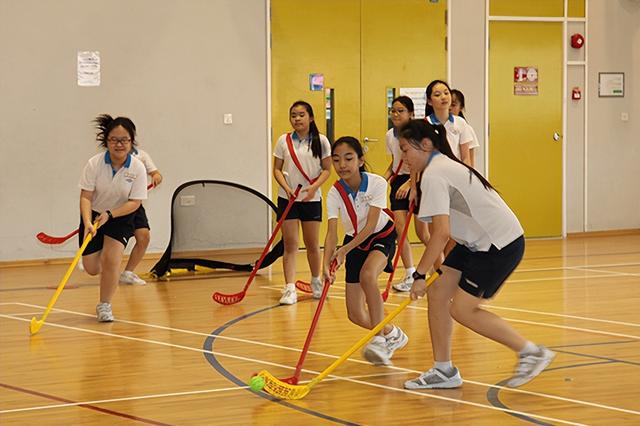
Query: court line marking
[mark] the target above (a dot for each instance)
(405, 370)
(313, 372)
(164, 395)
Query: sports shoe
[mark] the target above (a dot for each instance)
(405, 284)
(435, 379)
(377, 351)
(316, 287)
(104, 312)
(129, 277)
(289, 296)
(530, 365)
(396, 339)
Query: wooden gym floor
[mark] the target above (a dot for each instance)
(173, 356)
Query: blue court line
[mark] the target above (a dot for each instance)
(211, 358)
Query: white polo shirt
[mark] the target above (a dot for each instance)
(478, 217)
(112, 189)
(393, 148)
(372, 193)
(458, 132)
(312, 165)
(143, 156)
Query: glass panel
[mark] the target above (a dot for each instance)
(546, 8)
(576, 9)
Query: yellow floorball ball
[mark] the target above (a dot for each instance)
(256, 383)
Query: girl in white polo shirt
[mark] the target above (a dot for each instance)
(463, 205)
(457, 108)
(112, 187)
(437, 111)
(359, 198)
(301, 157)
(403, 186)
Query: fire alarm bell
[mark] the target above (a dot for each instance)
(576, 95)
(577, 41)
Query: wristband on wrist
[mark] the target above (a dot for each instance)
(110, 214)
(418, 276)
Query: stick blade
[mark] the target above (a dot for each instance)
(385, 295)
(283, 390)
(304, 287)
(228, 299)
(35, 325)
(47, 239)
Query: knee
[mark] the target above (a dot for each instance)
(92, 269)
(459, 313)
(367, 276)
(143, 237)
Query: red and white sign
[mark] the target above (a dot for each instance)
(525, 81)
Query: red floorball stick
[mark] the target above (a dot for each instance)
(293, 380)
(403, 237)
(230, 299)
(48, 239)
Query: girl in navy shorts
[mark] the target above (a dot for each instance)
(359, 198)
(461, 204)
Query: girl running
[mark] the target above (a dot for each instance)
(358, 198)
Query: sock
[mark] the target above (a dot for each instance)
(445, 366)
(316, 279)
(529, 348)
(393, 333)
(290, 286)
(410, 271)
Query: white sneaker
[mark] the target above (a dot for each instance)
(289, 296)
(435, 379)
(104, 312)
(377, 351)
(530, 365)
(129, 277)
(405, 284)
(316, 287)
(396, 339)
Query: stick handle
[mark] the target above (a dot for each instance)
(369, 335)
(403, 237)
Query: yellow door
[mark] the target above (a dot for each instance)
(525, 159)
(362, 48)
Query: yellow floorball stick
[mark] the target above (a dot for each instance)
(36, 324)
(285, 390)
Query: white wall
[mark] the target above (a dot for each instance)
(173, 66)
(613, 149)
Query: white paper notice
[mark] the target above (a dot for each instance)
(89, 68)
(419, 97)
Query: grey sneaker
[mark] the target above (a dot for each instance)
(530, 365)
(405, 284)
(289, 296)
(316, 287)
(104, 312)
(397, 339)
(129, 277)
(435, 379)
(377, 351)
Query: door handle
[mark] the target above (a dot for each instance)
(556, 136)
(367, 139)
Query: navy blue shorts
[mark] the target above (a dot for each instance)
(120, 229)
(307, 211)
(140, 218)
(484, 272)
(356, 257)
(400, 203)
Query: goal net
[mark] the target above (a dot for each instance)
(218, 224)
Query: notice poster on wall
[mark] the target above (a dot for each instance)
(525, 81)
(419, 97)
(316, 82)
(611, 84)
(89, 68)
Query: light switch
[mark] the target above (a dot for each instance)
(227, 118)
(624, 116)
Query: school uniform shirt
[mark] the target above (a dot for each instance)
(112, 189)
(478, 217)
(312, 165)
(475, 143)
(372, 193)
(458, 132)
(143, 156)
(393, 148)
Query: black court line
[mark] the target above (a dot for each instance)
(211, 358)
(619, 342)
(88, 406)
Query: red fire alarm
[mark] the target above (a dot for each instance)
(576, 94)
(577, 41)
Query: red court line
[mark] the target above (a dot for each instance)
(89, 406)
